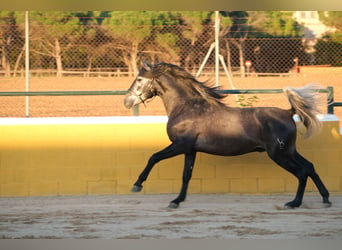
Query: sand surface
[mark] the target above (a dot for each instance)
(147, 217)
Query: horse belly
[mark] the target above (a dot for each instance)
(226, 146)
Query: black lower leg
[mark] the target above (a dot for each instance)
(170, 151)
(299, 195)
(137, 187)
(187, 173)
(293, 165)
(321, 188)
(315, 178)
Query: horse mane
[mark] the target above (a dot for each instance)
(209, 94)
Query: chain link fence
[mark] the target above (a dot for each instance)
(86, 44)
(112, 44)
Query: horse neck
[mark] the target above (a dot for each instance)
(172, 93)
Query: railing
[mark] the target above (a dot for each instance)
(329, 91)
(123, 72)
(63, 93)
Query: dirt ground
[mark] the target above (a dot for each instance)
(147, 217)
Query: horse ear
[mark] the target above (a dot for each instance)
(146, 66)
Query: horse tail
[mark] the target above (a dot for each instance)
(304, 102)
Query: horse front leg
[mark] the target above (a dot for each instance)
(170, 151)
(189, 162)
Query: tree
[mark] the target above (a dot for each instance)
(165, 42)
(331, 19)
(158, 35)
(328, 52)
(329, 47)
(91, 43)
(11, 41)
(264, 53)
(51, 33)
(277, 24)
(193, 36)
(237, 34)
(129, 29)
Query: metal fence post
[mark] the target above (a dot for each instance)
(27, 64)
(330, 100)
(136, 110)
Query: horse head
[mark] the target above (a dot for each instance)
(142, 88)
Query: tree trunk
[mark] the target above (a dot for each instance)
(5, 65)
(58, 58)
(130, 58)
(89, 65)
(17, 62)
(242, 66)
(229, 64)
(134, 58)
(125, 57)
(239, 45)
(5, 57)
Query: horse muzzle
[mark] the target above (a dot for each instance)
(131, 100)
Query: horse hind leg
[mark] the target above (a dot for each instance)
(302, 169)
(302, 178)
(284, 157)
(315, 178)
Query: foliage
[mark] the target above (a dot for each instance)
(11, 41)
(273, 24)
(52, 32)
(244, 102)
(325, 55)
(87, 39)
(331, 19)
(55, 24)
(193, 22)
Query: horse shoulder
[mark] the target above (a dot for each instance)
(179, 129)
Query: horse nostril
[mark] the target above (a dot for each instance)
(129, 101)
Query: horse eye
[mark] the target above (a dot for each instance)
(139, 79)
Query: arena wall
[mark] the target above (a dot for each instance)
(98, 156)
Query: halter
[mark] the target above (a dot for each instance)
(149, 88)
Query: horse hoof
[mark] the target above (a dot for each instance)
(292, 205)
(136, 189)
(327, 204)
(287, 207)
(173, 205)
